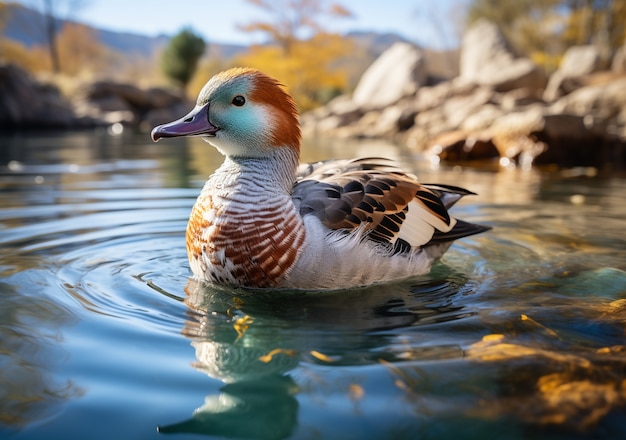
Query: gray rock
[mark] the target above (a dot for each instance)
(459, 145)
(482, 44)
(487, 59)
(458, 108)
(397, 73)
(481, 118)
(494, 109)
(604, 101)
(25, 102)
(110, 102)
(386, 123)
(345, 109)
(162, 115)
(577, 62)
(619, 60)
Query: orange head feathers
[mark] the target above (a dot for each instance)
(242, 112)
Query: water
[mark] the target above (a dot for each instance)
(517, 333)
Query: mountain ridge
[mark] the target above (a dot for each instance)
(27, 26)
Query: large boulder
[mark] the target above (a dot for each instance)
(398, 72)
(25, 102)
(487, 59)
(599, 102)
(577, 62)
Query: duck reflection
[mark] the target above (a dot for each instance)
(252, 340)
(263, 409)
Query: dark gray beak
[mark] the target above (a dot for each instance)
(195, 123)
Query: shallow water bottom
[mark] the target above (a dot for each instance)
(516, 333)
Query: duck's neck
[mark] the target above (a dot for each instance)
(244, 228)
(273, 172)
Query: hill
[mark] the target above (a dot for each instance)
(27, 26)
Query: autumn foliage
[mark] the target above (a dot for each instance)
(311, 70)
(80, 53)
(544, 29)
(298, 50)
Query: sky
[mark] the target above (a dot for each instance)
(429, 23)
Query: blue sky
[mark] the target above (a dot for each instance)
(428, 23)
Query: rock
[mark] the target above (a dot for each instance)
(481, 118)
(27, 103)
(345, 109)
(604, 101)
(487, 59)
(386, 124)
(517, 98)
(459, 145)
(482, 43)
(433, 120)
(619, 60)
(512, 135)
(432, 97)
(398, 72)
(494, 109)
(519, 73)
(161, 98)
(162, 115)
(24, 102)
(577, 62)
(127, 93)
(102, 104)
(458, 108)
(109, 102)
(571, 140)
(520, 122)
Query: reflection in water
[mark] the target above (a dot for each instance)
(28, 391)
(575, 389)
(252, 340)
(261, 409)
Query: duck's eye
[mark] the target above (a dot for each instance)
(239, 100)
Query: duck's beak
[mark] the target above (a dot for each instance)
(195, 123)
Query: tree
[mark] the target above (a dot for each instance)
(300, 51)
(544, 29)
(180, 57)
(599, 22)
(290, 20)
(52, 23)
(522, 22)
(51, 32)
(80, 50)
(3, 13)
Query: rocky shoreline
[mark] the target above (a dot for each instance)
(27, 103)
(501, 107)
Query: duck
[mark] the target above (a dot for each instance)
(263, 220)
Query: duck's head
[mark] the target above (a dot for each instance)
(241, 112)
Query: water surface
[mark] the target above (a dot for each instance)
(517, 333)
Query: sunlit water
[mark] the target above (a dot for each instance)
(517, 333)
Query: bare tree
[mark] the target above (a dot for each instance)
(53, 15)
(287, 20)
(51, 32)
